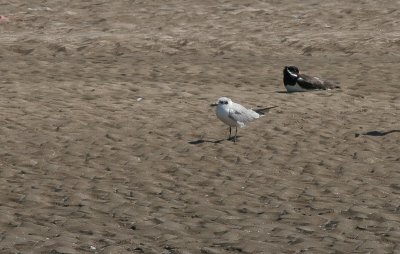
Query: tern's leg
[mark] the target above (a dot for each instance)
(230, 132)
(235, 135)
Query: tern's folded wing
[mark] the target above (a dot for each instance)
(242, 115)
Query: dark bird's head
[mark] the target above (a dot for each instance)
(290, 75)
(293, 71)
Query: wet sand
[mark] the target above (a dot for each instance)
(109, 144)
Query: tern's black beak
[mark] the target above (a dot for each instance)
(214, 104)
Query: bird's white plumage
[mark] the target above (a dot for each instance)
(295, 88)
(234, 114)
(294, 75)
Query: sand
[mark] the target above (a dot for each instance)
(108, 143)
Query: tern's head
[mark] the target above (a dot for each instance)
(292, 71)
(224, 101)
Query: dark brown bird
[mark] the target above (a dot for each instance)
(296, 82)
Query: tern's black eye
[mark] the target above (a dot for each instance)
(225, 102)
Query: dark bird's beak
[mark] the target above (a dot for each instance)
(214, 104)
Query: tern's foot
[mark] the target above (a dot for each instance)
(233, 139)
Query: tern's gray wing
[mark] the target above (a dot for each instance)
(242, 115)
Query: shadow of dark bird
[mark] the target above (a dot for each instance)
(376, 133)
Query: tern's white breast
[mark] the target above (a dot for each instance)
(223, 115)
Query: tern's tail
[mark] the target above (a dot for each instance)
(262, 111)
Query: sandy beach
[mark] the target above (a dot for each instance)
(109, 145)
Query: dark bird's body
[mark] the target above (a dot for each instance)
(296, 82)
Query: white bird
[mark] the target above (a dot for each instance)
(235, 115)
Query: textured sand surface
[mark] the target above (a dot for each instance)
(87, 166)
